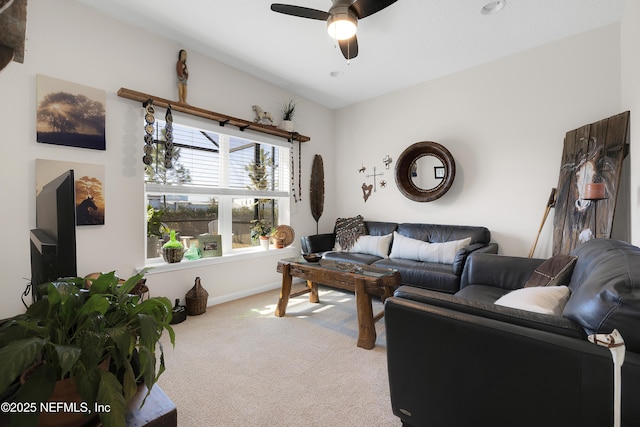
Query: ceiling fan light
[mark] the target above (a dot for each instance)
(342, 25)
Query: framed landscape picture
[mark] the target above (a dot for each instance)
(89, 186)
(210, 245)
(70, 114)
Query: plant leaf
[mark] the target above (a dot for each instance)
(130, 283)
(103, 283)
(37, 388)
(110, 393)
(121, 338)
(67, 357)
(96, 303)
(16, 357)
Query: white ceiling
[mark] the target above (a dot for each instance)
(409, 42)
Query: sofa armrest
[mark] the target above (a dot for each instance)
(507, 272)
(317, 243)
(463, 254)
(441, 360)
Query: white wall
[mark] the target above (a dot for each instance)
(504, 123)
(69, 41)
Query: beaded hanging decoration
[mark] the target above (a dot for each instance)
(299, 170)
(296, 197)
(293, 179)
(168, 134)
(149, 120)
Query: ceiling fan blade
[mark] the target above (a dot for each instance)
(302, 12)
(349, 47)
(364, 8)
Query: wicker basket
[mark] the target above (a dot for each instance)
(196, 299)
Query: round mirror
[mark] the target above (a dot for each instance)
(425, 171)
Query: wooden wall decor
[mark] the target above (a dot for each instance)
(592, 153)
(13, 27)
(316, 188)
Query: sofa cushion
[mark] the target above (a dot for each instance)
(605, 289)
(482, 293)
(348, 230)
(408, 248)
(469, 300)
(539, 299)
(438, 233)
(380, 228)
(373, 245)
(555, 271)
(426, 275)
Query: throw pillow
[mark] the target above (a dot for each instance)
(408, 248)
(555, 271)
(545, 300)
(373, 245)
(348, 230)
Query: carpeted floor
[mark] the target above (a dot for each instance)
(239, 365)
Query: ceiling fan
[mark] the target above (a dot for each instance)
(342, 19)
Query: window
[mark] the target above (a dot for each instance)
(217, 183)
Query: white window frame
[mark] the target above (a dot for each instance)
(226, 195)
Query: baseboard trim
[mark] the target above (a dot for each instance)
(246, 293)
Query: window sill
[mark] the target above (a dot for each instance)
(157, 265)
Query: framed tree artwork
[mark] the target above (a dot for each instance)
(70, 114)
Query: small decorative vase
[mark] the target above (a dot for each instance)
(196, 299)
(192, 253)
(264, 242)
(286, 125)
(172, 251)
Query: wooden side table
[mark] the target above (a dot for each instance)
(158, 410)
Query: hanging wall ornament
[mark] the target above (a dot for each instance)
(149, 120)
(293, 183)
(300, 169)
(316, 189)
(168, 134)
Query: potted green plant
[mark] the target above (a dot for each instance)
(155, 230)
(262, 231)
(102, 341)
(288, 111)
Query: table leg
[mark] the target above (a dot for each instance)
(285, 291)
(313, 296)
(366, 324)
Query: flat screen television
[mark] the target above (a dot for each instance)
(53, 241)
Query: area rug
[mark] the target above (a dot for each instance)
(239, 365)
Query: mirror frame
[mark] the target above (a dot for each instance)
(409, 157)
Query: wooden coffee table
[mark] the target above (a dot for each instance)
(366, 281)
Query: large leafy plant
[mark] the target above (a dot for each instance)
(71, 330)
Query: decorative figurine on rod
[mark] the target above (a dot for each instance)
(183, 75)
(261, 115)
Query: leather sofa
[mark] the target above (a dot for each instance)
(461, 360)
(443, 277)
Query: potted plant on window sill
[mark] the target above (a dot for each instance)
(262, 231)
(155, 230)
(68, 334)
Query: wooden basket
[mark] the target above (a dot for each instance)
(196, 299)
